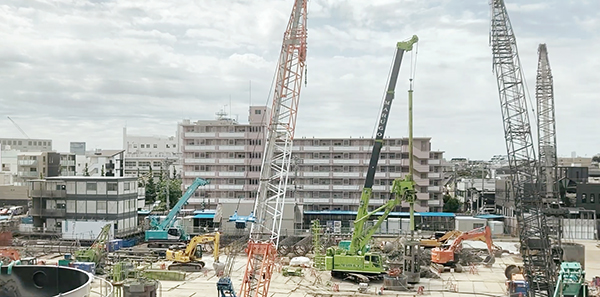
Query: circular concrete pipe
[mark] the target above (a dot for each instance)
(44, 281)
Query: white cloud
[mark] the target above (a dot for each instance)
(80, 70)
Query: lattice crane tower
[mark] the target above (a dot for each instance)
(544, 94)
(268, 207)
(535, 243)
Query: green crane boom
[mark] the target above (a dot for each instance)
(353, 257)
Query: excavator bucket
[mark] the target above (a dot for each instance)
(489, 260)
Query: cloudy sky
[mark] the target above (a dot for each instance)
(74, 70)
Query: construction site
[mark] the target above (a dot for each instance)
(249, 256)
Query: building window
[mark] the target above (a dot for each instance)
(592, 198)
(257, 111)
(127, 186)
(101, 207)
(112, 187)
(91, 186)
(155, 145)
(583, 198)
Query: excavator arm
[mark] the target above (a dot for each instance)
(441, 255)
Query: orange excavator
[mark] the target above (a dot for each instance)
(447, 256)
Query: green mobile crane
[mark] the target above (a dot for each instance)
(353, 257)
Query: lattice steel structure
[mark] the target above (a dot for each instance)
(544, 94)
(275, 169)
(535, 243)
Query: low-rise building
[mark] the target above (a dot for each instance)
(36, 165)
(84, 198)
(100, 163)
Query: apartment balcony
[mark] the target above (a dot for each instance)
(316, 201)
(199, 135)
(315, 161)
(421, 168)
(396, 175)
(48, 193)
(434, 203)
(232, 174)
(56, 213)
(231, 187)
(435, 162)
(200, 161)
(315, 174)
(316, 148)
(346, 174)
(395, 149)
(67, 163)
(346, 161)
(434, 175)
(232, 134)
(200, 148)
(202, 174)
(27, 162)
(434, 189)
(346, 148)
(381, 188)
(346, 187)
(239, 148)
(315, 187)
(29, 174)
(397, 162)
(232, 161)
(422, 196)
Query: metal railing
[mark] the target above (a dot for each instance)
(103, 289)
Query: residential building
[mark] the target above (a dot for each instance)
(156, 152)
(77, 148)
(226, 152)
(26, 144)
(328, 173)
(100, 162)
(84, 198)
(35, 165)
(8, 166)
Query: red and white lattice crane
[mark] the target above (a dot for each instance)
(268, 207)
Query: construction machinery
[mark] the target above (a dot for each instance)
(190, 259)
(431, 242)
(97, 252)
(516, 285)
(571, 281)
(448, 256)
(8, 255)
(353, 258)
(164, 233)
(538, 263)
(277, 157)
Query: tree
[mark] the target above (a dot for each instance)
(102, 171)
(86, 170)
(150, 188)
(175, 192)
(451, 204)
(596, 158)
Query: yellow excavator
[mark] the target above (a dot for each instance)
(190, 258)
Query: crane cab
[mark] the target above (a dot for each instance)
(340, 263)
